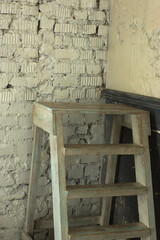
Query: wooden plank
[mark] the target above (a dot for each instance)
(90, 108)
(43, 118)
(33, 183)
(25, 236)
(58, 175)
(143, 173)
(110, 232)
(105, 190)
(111, 170)
(73, 221)
(105, 149)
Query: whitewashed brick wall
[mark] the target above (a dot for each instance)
(53, 51)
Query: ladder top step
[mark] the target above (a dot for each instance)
(105, 190)
(90, 108)
(131, 230)
(102, 149)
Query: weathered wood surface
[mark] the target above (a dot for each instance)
(58, 175)
(106, 149)
(111, 170)
(33, 183)
(73, 222)
(105, 190)
(90, 108)
(25, 236)
(140, 125)
(44, 118)
(110, 232)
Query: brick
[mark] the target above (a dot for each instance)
(96, 42)
(20, 108)
(88, 4)
(93, 69)
(29, 82)
(61, 94)
(47, 23)
(29, 67)
(11, 39)
(25, 122)
(65, 81)
(92, 170)
(9, 67)
(48, 37)
(70, 3)
(78, 68)
(22, 178)
(25, 25)
(6, 149)
(80, 42)
(66, 28)
(103, 30)
(58, 40)
(5, 20)
(81, 15)
(62, 12)
(66, 53)
(91, 81)
(11, 8)
(7, 96)
(104, 4)
(76, 118)
(67, 41)
(24, 148)
(101, 55)
(19, 134)
(30, 10)
(86, 55)
(89, 29)
(28, 95)
(97, 16)
(7, 121)
(62, 68)
(51, 9)
(4, 52)
(46, 48)
(3, 83)
(7, 221)
(6, 181)
(34, 2)
(77, 93)
(28, 52)
(93, 93)
(76, 173)
(30, 39)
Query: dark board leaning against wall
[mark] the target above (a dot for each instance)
(125, 209)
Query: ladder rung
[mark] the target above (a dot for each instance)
(105, 190)
(73, 222)
(103, 149)
(131, 230)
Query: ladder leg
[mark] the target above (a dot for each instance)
(58, 174)
(140, 127)
(111, 170)
(33, 183)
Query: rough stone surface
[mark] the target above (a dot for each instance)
(50, 51)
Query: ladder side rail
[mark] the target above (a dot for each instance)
(58, 175)
(33, 182)
(111, 170)
(140, 127)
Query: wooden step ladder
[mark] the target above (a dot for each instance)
(49, 117)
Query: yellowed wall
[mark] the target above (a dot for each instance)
(134, 47)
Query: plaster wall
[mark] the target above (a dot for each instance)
(134, 47)
(49, 51)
